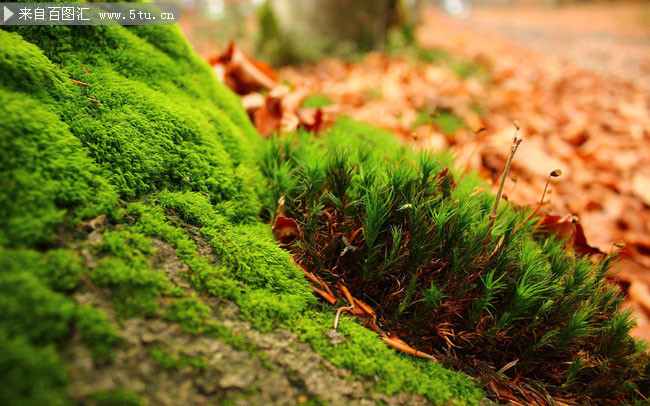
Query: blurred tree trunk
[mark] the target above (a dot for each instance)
(299, 30)
(363, 22)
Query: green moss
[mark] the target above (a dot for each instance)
(272, 292)
(31, 375)
(63, 269)
(135, 285)
(96, 331)
(43, 170)
(59, 269)
(33, 318)
(30, 309)
(237, 341)
(315, 401)
(155, 143)
(316, 100)
(149, 131)
(170, 361)
(366, 355)
(190, 313)
(446, 121)
(152, 117)
(427, 255)
(116, 397)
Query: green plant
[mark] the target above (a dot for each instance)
(316, 100)
(404, 235)
(190, 313)
(170, 361)
(446, 121)
(153, 116)
(96, 331)
(118, 397)
(271, 292)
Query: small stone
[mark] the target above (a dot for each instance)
(91, 262)
(95, 237)
(335, 337)
(234, 381)
(148, 338)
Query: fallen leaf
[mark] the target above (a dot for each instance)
(641, 185)
(569, 229)
(241, 73)
(286, 230)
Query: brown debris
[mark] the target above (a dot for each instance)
(278, 109)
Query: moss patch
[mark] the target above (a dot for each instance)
(271, 292)
(152, 117)
(116, 398)
(99, 334)
(171, 361)
(446, 121)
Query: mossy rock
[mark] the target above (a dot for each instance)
(113, 136)
(91, 117)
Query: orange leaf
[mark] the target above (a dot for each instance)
(241, 73)
(285, 229)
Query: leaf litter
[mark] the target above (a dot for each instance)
(593, 128)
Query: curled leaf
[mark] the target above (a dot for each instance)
(286, 230)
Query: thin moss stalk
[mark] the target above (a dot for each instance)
(448, 276)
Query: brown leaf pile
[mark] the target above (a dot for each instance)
(271, 107)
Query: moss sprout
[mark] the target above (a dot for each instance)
(97, 332)
(423, 249)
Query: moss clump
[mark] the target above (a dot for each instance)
(405, 236)
(190, 313)
(171, 361)
(31, 375)
(271, 292)
(116, 398)
(135, 285)
(31, 310)
(366, 355)
(162, 121)
(152, 117)
(96, 331)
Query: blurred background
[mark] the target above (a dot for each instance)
(602, 35)
(454, 75)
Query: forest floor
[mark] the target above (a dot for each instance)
(607, 38)
(576, 78)
(579, 78)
